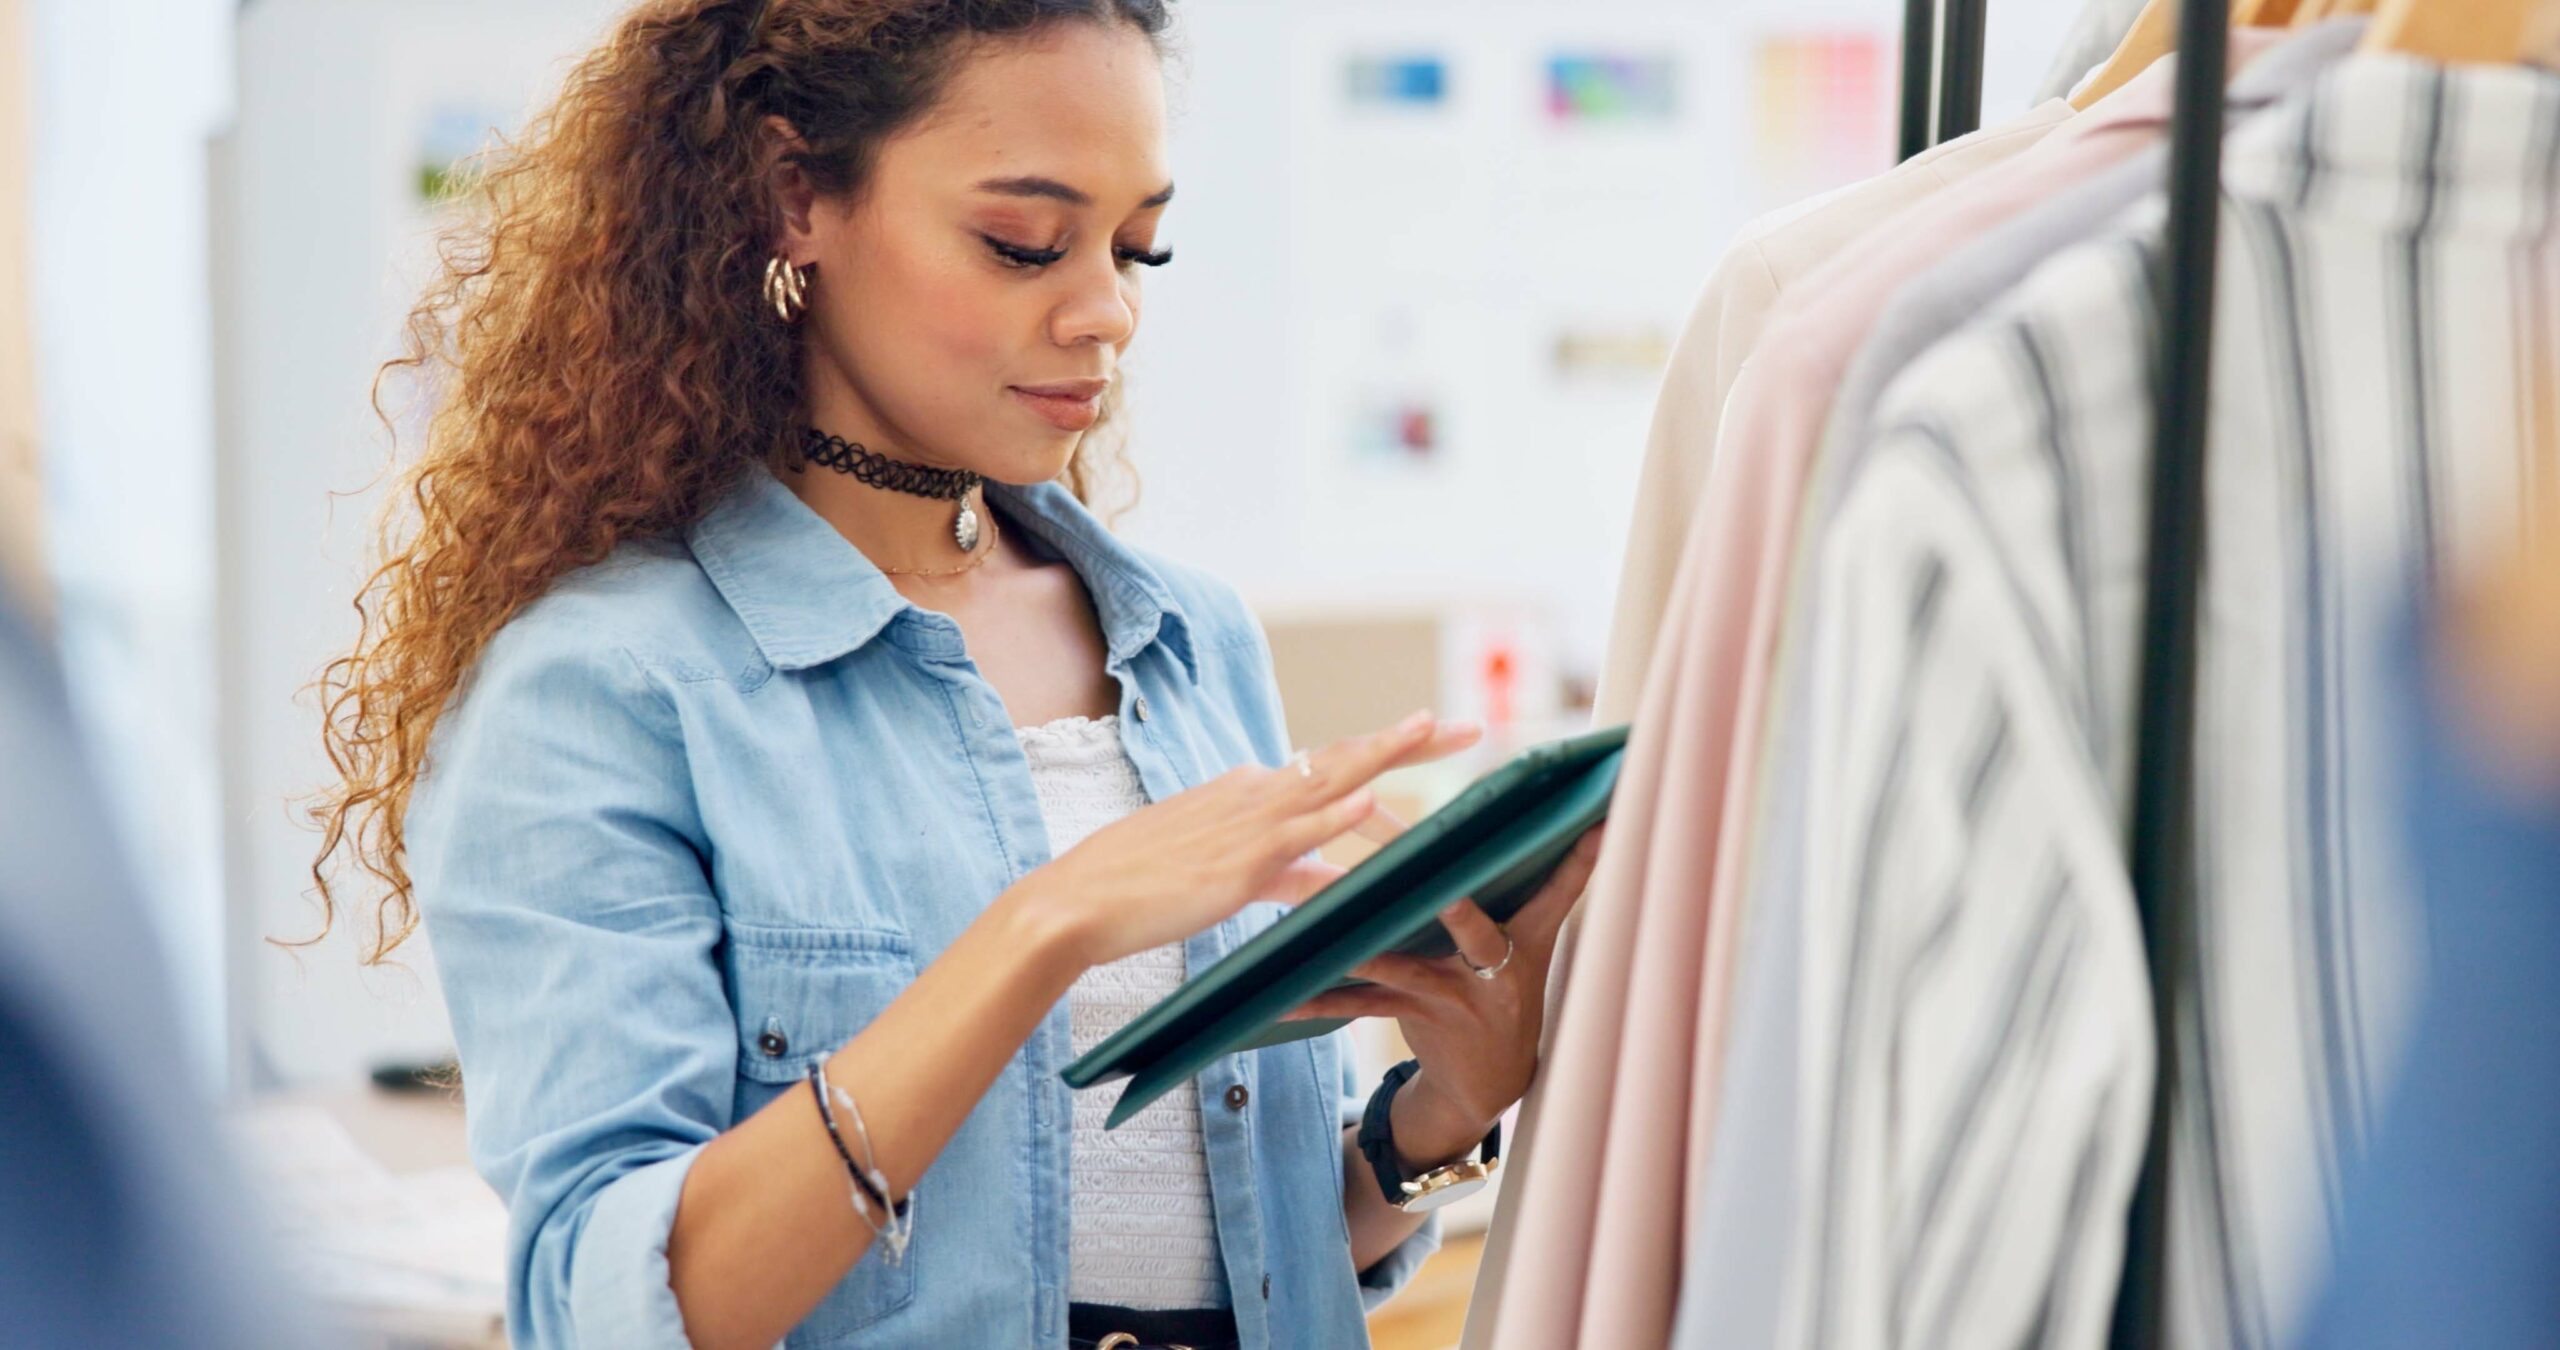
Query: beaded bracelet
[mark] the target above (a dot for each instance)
(818, 1093)
(868, 1179)
(902, 1218)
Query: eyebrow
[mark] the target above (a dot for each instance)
(1035, 186)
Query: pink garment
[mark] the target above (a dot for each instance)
(1768, 260)
(1529, 1292)
(1670, 1042)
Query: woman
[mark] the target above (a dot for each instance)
(813, 729)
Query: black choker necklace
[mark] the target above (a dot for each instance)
(897, 475)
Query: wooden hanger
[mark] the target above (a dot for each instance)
(2451, 31)
(2263, 13)
(2154, 35)
(2313, 11)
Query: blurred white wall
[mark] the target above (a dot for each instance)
(1322, 254)
(127, 94)
(327, 244)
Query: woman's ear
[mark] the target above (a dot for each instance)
(795, 198)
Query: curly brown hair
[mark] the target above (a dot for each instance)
(600, 360)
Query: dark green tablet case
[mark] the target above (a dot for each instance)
(1497, 842)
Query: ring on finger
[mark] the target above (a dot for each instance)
(1488, 972)
(1305, 769)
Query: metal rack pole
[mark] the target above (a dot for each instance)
(1960, 69)
(1919, 33)
(2163, 853)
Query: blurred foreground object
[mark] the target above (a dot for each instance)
(2503, 651)
(21, 492)
(120, 1222)
(2452, 1230)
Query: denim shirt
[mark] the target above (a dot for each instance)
(705, 808)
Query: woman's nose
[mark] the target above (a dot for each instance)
(1102, 308)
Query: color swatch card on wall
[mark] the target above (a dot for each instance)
(1400, 82)
(1604, 87)
(1819, 109)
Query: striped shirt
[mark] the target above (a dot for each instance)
(1973, 1113)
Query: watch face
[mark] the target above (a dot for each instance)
(1433, 1196)
(1441, 1185)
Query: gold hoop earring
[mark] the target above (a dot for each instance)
(786, 288)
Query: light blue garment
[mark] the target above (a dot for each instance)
(709, 789)
(2451, 1229)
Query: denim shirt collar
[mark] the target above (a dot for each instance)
(808, 596)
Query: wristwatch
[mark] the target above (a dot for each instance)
(1434, 1188)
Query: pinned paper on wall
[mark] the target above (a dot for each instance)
(1605, 87)
(1610, 351)
(452, 135)
(1394, 406)
(1413, 81)
(1396, 428)
(1819, 111)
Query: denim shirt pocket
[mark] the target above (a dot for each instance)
(800, 994)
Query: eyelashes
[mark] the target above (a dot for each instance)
(1015, 255)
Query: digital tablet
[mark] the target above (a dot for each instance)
(1497, 841)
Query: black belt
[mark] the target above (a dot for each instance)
(1104, 1326)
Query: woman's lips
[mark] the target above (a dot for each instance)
(1065, 412)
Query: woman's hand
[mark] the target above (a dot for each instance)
(1173, 868)
(1476, 1038)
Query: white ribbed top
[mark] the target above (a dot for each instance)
(1142, 1230)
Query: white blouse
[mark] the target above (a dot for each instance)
(1142, 1230)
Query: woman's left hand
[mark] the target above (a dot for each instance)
(1476, 1038)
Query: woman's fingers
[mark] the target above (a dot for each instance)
(1479, 938)
(1447, 739)
(1302, 879)
(1430, 981)
(1381, 826)
(1312, 830)
(1354, 760)
(1367, 1001)
(1351, 763)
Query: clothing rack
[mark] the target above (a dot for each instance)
(1951, 69)
(1919, 67)
(1960, 68)
(2162, 855)
(1942, 44)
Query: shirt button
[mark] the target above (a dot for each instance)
(1266, 1286)
(1142, 707)
(772, 1042)
(1237, 1097)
